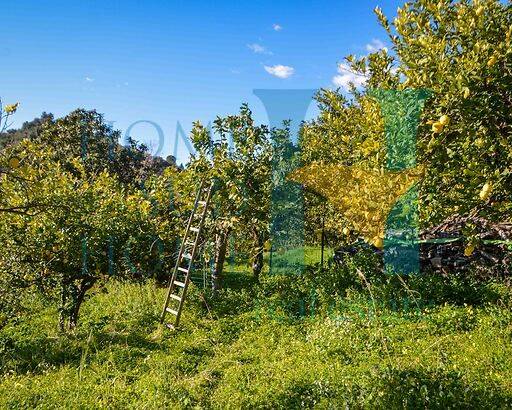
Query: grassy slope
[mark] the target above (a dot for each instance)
(245, 354)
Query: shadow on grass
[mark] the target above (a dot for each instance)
(235, 296)
(32, 351)
(36, 353)
(397, 389)
(413, 389)
(238, 280)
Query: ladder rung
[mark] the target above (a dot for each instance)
(189, 243)
(174, 312)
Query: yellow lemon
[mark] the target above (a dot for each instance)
(445, 120)
(378, 242)
(492, 61)
(485, 192)
(469, 250)
(437, 127)
(14, 163)
(466, 92)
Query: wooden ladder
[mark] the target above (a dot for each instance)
(181, 274)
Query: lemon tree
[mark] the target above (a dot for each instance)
(461, 52)
(237, 155)
(65, 232)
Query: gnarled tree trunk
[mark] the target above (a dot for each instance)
(84, 286)
(71, 300)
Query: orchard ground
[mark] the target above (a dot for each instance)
(259, 346)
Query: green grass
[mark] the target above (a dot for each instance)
(308, 255)
(248, 350)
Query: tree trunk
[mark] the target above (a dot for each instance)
(85, 285)
(257, 258)
(62, 309)
(221, 245)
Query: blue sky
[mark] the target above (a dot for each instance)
(169, 61)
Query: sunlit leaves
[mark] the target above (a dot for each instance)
(61, 227)
(461, 52)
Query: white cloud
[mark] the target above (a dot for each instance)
(346, 77)
(258, 49)
(277, 27)
(280, 71)
(89, 79)
(375, 45)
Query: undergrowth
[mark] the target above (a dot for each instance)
(342, 337)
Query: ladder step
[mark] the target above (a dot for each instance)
(202, 203)
(176, 297)
(174, 312)
(187, 255)
(183, 269)
(177, 282)
(189, 243)
(194, 229)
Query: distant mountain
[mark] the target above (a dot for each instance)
(29, 129)
(133, 161)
